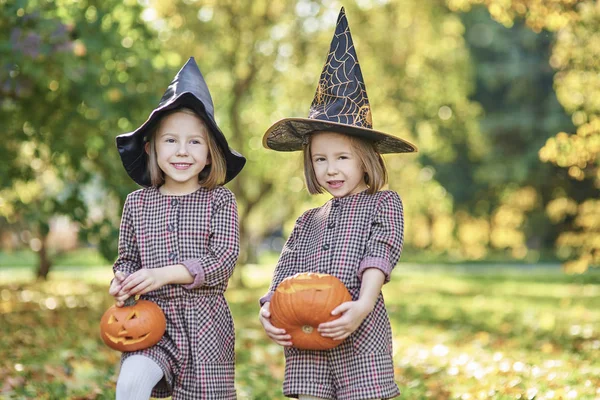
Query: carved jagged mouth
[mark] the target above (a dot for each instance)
(126, 339)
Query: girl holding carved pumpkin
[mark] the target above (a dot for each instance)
(178, 245)
(356, 236)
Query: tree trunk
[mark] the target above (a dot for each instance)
(44, 263)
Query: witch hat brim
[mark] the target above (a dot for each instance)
(340, 104)
(188, 89)
(291, 134)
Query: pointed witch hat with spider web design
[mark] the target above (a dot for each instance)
(340, 105)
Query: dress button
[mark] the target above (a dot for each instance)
(174, 202)
(172, 256)
(171, 227)
(325, 246)
(336, 203)
(331, 225)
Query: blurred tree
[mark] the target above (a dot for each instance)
(67, 89)
(514, 87)
(574, 57)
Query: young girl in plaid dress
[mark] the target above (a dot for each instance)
(356, 236)
(178, 245)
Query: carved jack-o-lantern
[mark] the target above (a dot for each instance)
(135, 326)
(302, 302)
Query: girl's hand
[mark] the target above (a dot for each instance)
(115, 287)
(353, 314)
(142, 281)
(275, 334)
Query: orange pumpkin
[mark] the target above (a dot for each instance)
(302, 302)
(135, 326)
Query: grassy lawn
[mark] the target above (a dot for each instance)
(461, 332)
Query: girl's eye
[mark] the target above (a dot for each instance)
(195, 142)
(319, 159)
(343, 157)
(169, 140)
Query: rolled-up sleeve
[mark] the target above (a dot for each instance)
(128, 259)
(386, 238)
(217, 265)
(287, 264)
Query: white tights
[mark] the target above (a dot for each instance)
(139, 374)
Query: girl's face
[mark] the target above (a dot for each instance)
(337, 168)
(182, 151)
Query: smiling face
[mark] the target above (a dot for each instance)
(336, 165)
(182, 151)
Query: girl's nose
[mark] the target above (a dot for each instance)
(331, 169)
(182, 150)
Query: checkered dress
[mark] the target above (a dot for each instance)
(200, 231)
(343, 238)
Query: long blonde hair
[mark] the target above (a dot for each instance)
(210, 177)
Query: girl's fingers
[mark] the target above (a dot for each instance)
(336, 324)
(138, 289)
(120, 276)
(134, 283)
(334, 333)
(265, 310)
(121, 299)
(130, 283)
(342, 308)
(113, 290)
(272, 330)
(281, 341)
(265, 313)
(281, 338)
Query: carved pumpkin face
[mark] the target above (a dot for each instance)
(302, 302)
(133, 327)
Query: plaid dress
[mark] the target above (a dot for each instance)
(343, 238)
(200, 231)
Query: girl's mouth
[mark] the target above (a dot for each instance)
(335, 184)
(181, 165)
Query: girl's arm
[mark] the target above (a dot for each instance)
(354, 312)
(216, 267)
(147, 280)
(382, 253)
(386, 238)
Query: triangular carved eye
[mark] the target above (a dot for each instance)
(112, 319)
(133, 315)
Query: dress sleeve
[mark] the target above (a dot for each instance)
(287, 265)
(128, 260)
(385, 242)
(217, 265)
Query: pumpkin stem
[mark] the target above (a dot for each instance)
(131, 301)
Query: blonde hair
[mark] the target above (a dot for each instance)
(371, 161)
(210, 177)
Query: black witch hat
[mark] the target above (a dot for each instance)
(340, 104)
(188, 89)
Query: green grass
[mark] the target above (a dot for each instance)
(460, 332)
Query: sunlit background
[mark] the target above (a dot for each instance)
(496, 295)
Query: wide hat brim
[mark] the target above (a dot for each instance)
(291, 134)
(131, 145)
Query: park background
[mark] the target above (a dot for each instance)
(496, 295)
